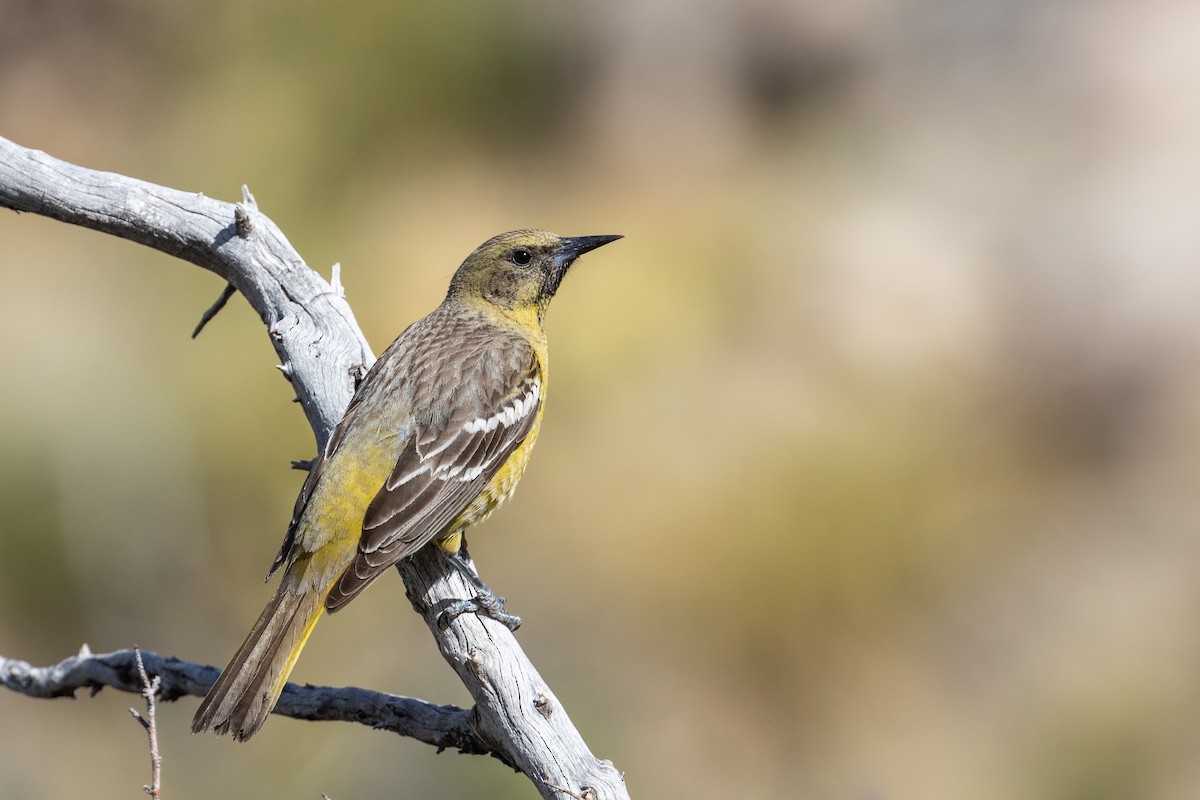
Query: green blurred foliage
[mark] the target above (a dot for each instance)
(870, 464)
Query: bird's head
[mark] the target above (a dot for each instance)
(520, 271)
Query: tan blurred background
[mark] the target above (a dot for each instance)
(871, 467)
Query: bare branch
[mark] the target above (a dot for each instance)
(323, 354)
(512, 701)
(444, 727)
(312, 327)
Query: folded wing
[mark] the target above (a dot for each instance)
(450, 457)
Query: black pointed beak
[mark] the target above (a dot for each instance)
(569, 249)
(572, 247)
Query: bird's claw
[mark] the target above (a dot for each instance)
(488, 604)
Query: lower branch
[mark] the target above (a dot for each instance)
(444, 727)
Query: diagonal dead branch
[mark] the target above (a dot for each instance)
(304, 314)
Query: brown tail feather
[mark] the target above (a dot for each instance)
(244, 694)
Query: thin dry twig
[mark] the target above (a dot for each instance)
(217, 305)
(149, 722)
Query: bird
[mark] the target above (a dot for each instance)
(435, 438)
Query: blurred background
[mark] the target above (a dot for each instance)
(871, 465)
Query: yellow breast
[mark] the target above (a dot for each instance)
(498, 489)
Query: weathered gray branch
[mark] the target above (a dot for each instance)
(311, 325)
(516, 716)
(441, 726)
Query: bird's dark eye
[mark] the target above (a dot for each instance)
(521, 257)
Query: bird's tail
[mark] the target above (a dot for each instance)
(244, 695)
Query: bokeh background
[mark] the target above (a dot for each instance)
(871, 466)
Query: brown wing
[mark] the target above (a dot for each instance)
(450, 457)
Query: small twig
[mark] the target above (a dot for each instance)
(241, 220)
(150, 724)
(335, 280)
(229, 291)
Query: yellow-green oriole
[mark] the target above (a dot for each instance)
(436, 437)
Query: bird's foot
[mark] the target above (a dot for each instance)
(484, 602)
(487, 603)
